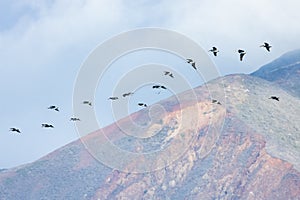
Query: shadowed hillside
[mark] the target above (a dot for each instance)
(284, 72)
(246, 148)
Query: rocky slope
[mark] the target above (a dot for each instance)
(284, 72)
(246, 148)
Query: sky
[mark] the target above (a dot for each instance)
(43, 44)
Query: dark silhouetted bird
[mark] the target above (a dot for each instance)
(74, 119)
(274, 98)
(47, 126)
(113, 98)
(15, 130)
(216, 101)
(156, 86)
(266, 45)
(214, 50)
(189, 60)
(87, 103)
(127, 94)
(159, 86)
(53, 108)
(242, 54)
(142, 104)
(166, 73)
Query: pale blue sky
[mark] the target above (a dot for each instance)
(44, 42)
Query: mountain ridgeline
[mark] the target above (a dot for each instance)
(246, 147)
(284, 72)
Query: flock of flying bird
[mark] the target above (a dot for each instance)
(153, 87)
(242, 52)
(46, 125)
(190, 61)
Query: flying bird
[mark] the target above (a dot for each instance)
(74, 119)
(113, 98)
(216, 101)
(242, 54)
(127, 94)
(87, 103)
(166, 73)
(53, 108)
(214, 50)
(155, 86)
(266, 45)
(47, 126)
(15, 130)
(142, 104)
(159, 86)
(274, 98)
(189, 60)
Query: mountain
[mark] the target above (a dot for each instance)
(284, 72)
(247, 147)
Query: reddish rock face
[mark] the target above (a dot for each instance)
(238, 150)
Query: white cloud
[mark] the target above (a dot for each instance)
(52, 27)
(57, 27)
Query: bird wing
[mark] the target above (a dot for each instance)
(189, 60)
(241, 56)
(215, 53)
(194, 65)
